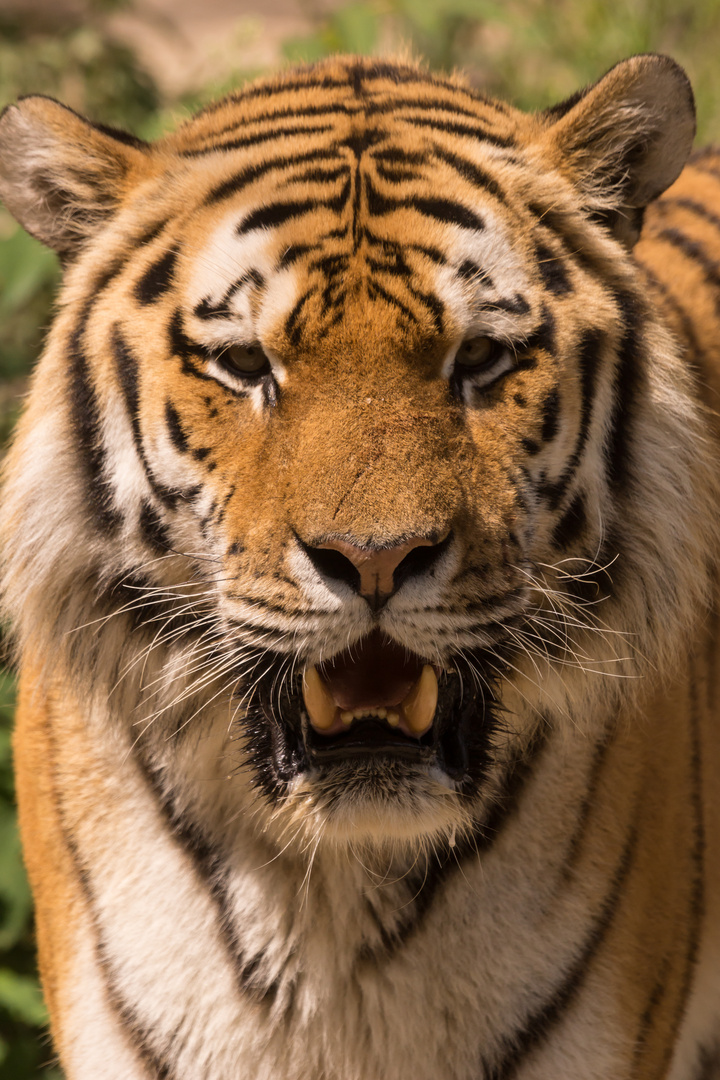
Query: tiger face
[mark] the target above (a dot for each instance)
(351, 361)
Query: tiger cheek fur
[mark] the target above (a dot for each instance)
(360, 541)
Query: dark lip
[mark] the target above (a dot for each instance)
(366, 738)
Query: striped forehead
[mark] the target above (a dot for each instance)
(391, 216)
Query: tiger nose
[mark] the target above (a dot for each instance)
(377, 572)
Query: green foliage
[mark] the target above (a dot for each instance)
(533, 53)
(79, 63)
(22, 1013)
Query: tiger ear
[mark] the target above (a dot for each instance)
(61, 176)
(625, 139)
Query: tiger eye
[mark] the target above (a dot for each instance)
(474, 352)
(245, 359)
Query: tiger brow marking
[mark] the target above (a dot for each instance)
(471, 172)
(376, 291)
(271, 135)
(252, 173)
(442, 210)
(465, 130)
(278, 213)
(539, 1024)
(305, 112)
(429, 105)
(158, 278)
(204, 309)
(293, 324)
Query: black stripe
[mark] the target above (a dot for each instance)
(358, 76)
(248, 176)
(126, 367)
(669, 299)
(273, 135)
(137, 1034)
(435, 307)
(588, 355)
(708, 1062)
(470, 171)
(278, 213)
(467, 131)
(647, 1020)
(212, 871)
(629, 380)
(175, 428)
(693, 207)
(553, 272)
(152, 528)
(432, 253)
(447, 862)
(696, 253)
(293, 324)
(186, 349)
(87, 432)
(157, 279)
(472, 272)
(376, 291)
(454, 213)
(589, 802)
(397, 175)
(539, 1024)
(571, 525)
(550, 415)
(294, 252)
(516, 306)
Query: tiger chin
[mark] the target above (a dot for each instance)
(360, 544)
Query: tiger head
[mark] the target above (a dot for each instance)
(355, 445)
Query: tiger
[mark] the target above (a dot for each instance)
(360, 545)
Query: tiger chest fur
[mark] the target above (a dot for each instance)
(360, 542)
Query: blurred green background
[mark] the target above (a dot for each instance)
(531, 52)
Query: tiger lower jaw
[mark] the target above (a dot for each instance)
(375, 741)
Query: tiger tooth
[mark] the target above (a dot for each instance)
(320, 706)
(420, 704)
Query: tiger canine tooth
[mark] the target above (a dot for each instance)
(320, 706)
(420, 704)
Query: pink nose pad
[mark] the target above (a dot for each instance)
(376, 567)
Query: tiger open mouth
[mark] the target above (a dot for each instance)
(376, 702)
(372, 694)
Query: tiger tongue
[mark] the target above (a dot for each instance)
(374, 673)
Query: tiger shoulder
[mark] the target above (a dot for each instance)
(360, 543)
